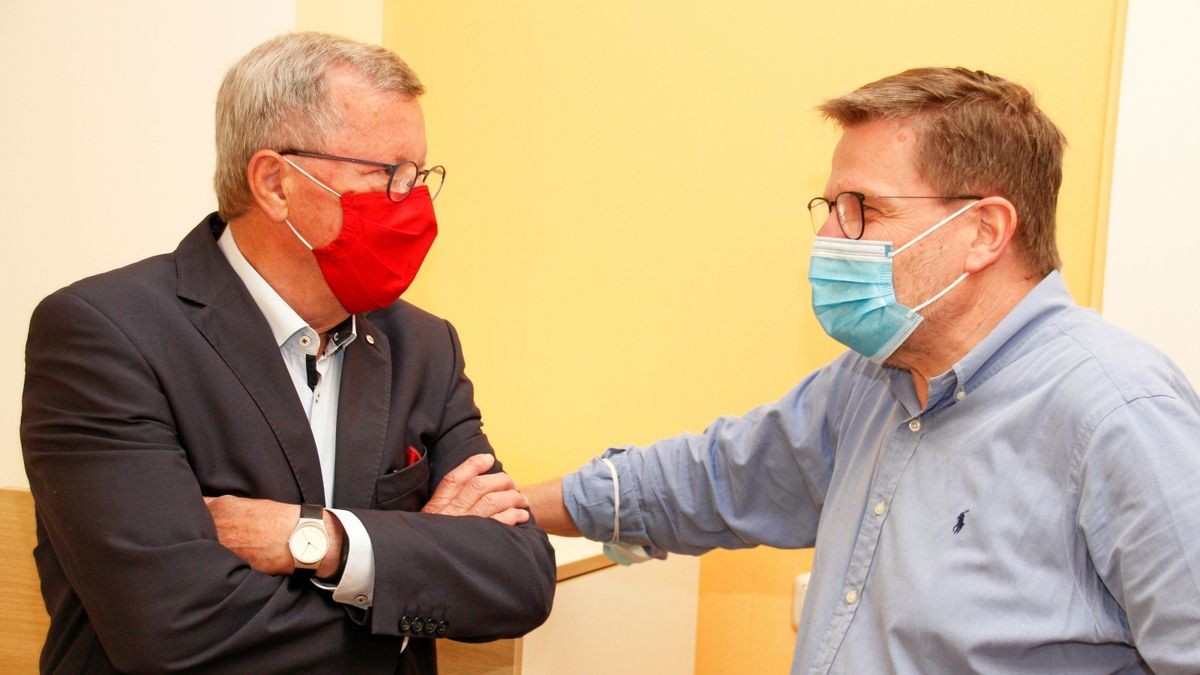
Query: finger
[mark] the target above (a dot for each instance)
(498, 502)
(479, 488)
(459, 476)
(453, 482)
(220, 506)
(512, 516)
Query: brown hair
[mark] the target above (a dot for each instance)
(976, 133)
(276, 97)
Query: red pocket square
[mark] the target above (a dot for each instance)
(413, 456)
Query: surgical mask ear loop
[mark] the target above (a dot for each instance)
(310, 177)
(936, 225)
(323, 186)
(921, 236)
(302, 239)
(945, 290)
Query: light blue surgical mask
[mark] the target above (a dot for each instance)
(853, 296)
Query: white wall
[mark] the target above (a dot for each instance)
(1152, 273)
(107, 138)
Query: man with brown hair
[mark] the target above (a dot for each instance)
(248, 455)
(995, 479)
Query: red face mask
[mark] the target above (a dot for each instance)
(376, 255)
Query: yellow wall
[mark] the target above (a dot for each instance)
(358, 19)
(624, 242)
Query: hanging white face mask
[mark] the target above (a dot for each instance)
(618, 551)
(853, 296)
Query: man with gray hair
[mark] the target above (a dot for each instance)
(249, 455)
(995, 479)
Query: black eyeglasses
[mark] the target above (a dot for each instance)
(849, 209)
(402, 177)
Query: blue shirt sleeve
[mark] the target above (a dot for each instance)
(1139, 509)
(756, 479)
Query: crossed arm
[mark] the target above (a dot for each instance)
(123, 525)
(257, 529)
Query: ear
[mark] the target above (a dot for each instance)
(266, 176)
(996, 225)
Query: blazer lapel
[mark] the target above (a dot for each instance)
(222, 310)
(364, 404)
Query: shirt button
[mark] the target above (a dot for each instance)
(914, 425)
(880, 508)
(360, 599)
(960, 395)
(305, 341)
(851, 597)
(370, 340)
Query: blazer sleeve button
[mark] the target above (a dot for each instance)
(418, 625)
(405, 624)
(442, 627)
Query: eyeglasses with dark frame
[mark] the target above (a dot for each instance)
(402, 177)
(849, 209)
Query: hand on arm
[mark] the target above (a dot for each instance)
(257, 531)
(546, 502)
(468, 490)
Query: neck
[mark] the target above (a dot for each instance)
(957, 323)
(290, 268)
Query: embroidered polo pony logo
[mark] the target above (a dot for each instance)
(962, 518)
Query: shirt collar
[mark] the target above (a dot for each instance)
(283, 320)
(1002, 345)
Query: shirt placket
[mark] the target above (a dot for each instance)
(905, 440)
(295, 351)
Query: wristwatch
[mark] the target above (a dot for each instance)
(308, 541)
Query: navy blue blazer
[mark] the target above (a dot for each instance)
(152, 385)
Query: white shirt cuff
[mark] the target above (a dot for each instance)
(357, 587)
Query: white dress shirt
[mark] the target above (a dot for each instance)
(297, 340)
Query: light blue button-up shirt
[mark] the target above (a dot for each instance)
(1040, 514)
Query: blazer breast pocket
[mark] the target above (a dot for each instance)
(405, 489)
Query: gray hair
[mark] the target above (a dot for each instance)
(276, 97)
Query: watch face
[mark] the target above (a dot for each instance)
(308, 543)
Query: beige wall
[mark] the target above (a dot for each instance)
(107, 135)
(1153, 271)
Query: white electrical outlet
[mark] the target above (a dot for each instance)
(798, 599)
